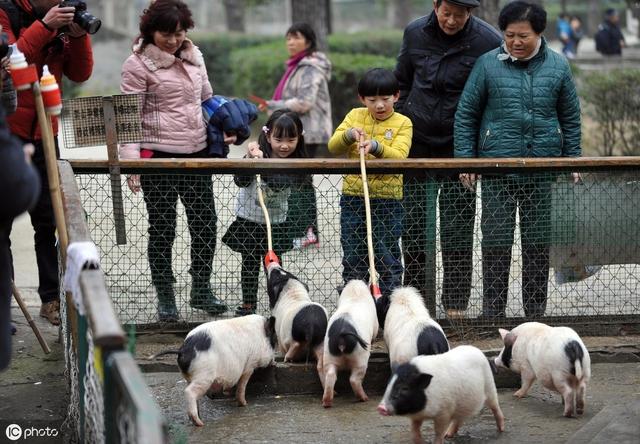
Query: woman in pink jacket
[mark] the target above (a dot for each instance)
(168, 65)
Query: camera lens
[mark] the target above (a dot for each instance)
(88, 22)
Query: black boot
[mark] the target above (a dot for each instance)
(167, 310)
(202, 298)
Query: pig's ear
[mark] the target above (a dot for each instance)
(503, 333)
(423, 380)
(510, 339)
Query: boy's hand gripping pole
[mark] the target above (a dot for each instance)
(373, 276)
(270, 257)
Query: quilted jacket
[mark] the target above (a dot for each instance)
(394, 136)
(519, 109)
(180, 85)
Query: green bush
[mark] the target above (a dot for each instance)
(347, 70)
(613, 102)
(257, 70)
(217, 50)
(385, 43)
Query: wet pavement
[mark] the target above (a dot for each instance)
(301, 418)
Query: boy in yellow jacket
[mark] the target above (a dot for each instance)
(387, 135)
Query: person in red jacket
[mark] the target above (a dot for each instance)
(47, 35)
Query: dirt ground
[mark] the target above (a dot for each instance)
(301, 419)
(33, 390)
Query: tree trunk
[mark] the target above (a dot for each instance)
(489, 11)
(317, 14)
(234, 11)
(402, 12)
(593, 17)
(634, 6)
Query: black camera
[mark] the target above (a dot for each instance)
(5, 49)
(82, 17)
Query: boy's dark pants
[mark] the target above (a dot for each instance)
(387, 217)
(161, 193)
(457, 216)
(501, 197)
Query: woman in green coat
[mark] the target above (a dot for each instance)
(519, 101)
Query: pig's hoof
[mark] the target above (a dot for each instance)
(196, 421)
(364, 398)
(519, 394)
(327, 403)
(242, 402)
(579, 411)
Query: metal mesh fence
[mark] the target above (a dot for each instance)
(520, 245)
(83, 119)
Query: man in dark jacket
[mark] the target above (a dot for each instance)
(609, 38)
(47, 35)
(437, 55)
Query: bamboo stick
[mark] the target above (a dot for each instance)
(27, 316)
(373, 275)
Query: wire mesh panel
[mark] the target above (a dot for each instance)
(83, 120)
(518, 245)
(94, 430)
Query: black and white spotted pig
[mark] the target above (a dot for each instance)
(301, 324)
(347, 345)
(217, 355)
(447, 388)
(409, 330)
(554, 355)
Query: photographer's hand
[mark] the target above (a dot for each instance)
(56, 17)
(75, 30)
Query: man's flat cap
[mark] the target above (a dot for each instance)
(464, 3)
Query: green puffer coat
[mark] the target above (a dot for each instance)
(519, 109)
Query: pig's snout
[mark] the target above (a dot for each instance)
(383, 410)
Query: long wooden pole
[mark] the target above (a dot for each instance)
(270, 257)
(265, 212)
(373, 275)
(49, 148)
(27, 316)
(51, 159)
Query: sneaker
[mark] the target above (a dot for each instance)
(245, 310)
(51, 312)
(309, 239)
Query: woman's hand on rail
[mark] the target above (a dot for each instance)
(469, 180)
(577, 178)
(134, 183)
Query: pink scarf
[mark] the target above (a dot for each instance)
(292, 64)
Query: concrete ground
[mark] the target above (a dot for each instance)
(33, 390)
(301, 419)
